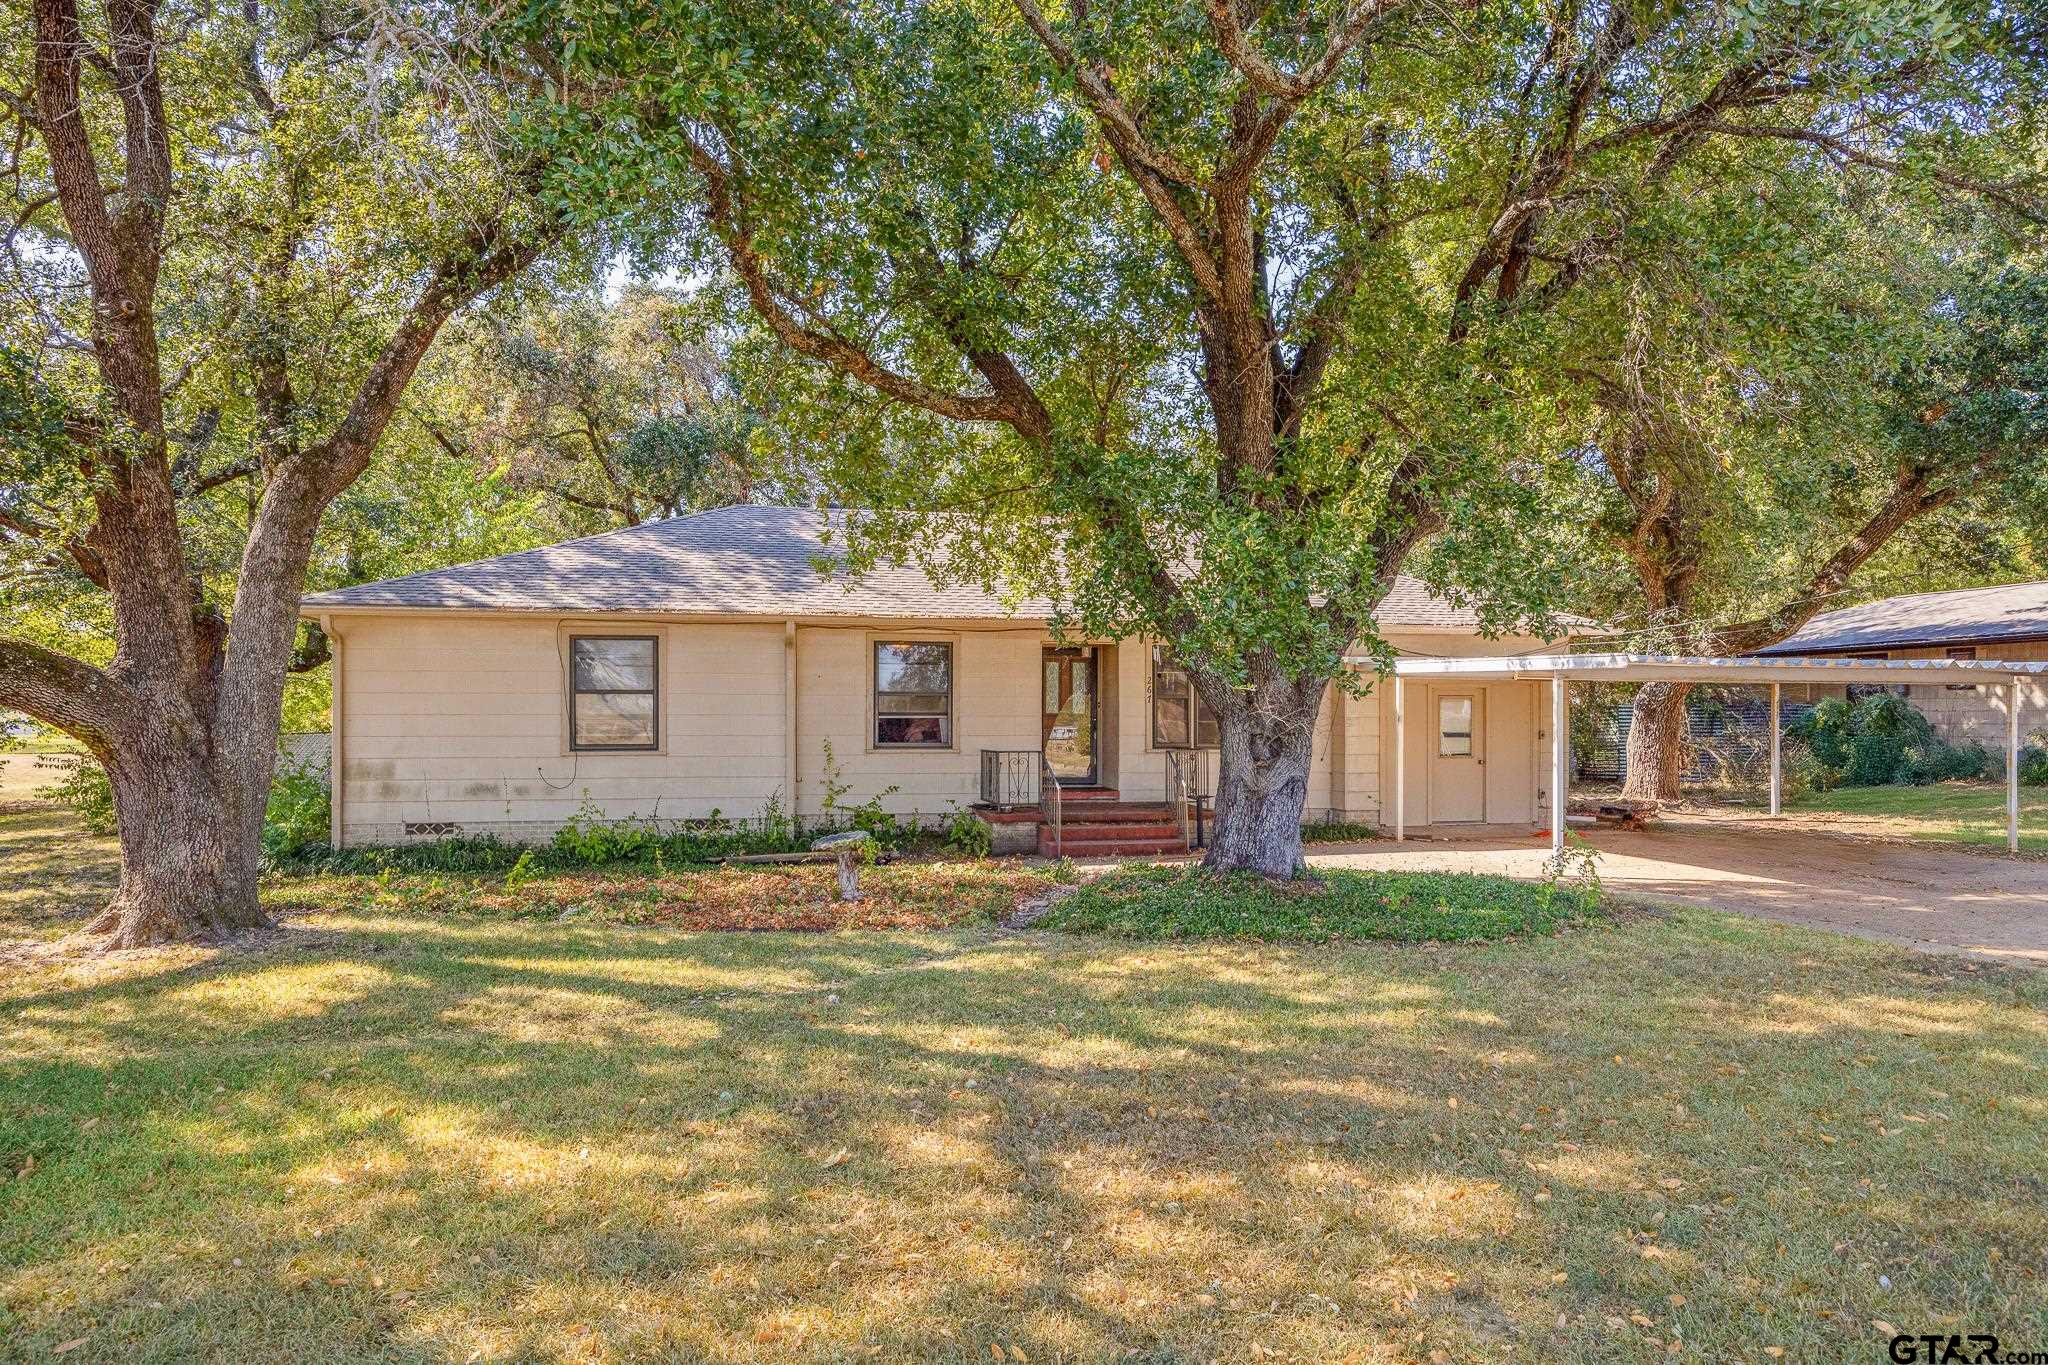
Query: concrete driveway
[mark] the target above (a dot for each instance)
(1923, 897)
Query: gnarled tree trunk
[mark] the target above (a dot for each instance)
(184, 717)
(1656, 743)
(188, 863)
(1268, 743)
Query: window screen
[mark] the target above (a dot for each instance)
(913, 694)
(613, 682)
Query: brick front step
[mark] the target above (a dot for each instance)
(1088, 793)
(1117, 813)
(1128, 829)
(1108, 848)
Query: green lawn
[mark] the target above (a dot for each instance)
(1179, 902)
(410, 1132)
(1944, 812)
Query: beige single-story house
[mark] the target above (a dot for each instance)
(726, 661)
(2008, 623)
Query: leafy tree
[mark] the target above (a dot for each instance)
(1789, 384)
(1205, 316)
(620, 410)
(236, 233)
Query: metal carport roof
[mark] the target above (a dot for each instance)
(1564, 669)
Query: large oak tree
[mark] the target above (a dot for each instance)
(1204, 315)
(233, 234)
(1770, 427)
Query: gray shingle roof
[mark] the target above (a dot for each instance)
(2013, 611)
(751, 561)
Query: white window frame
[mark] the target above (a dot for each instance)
(951, 716)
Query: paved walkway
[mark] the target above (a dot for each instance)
(1927, 898)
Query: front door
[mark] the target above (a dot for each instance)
(1070, 714)
(1457, 774)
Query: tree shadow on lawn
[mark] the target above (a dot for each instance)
(554, 1142)
(56, 874)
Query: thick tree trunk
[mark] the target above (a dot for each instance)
(1656, 743)
(189, 864)
(1268, 742)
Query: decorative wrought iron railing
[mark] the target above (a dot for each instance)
(1184, 791)
(1009, 778)
(1049, 804)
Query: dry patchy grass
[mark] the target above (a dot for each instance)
(403, 1136)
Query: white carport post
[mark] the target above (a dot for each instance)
(2012, 766)
(1559, 719)
(1777, 749)
(1400, 765)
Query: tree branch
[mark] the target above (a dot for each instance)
(1159, 177)
(722, 202)
(1912, 496)
(58, 690)
(1291, 89)
(2009, 194)
(65, 552)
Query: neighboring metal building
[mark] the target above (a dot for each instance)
(2009, 622)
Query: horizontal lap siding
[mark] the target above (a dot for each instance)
(996, 705)
(462, 720)
(1976, 715)
(1358, 797)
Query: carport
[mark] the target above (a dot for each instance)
(1562, 670)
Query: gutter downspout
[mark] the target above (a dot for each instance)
(336, 723)
(789, 749)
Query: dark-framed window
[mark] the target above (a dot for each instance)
(1180, 718)
(614, 692)
(1856, 692)
(1962, 652)
(913, 682)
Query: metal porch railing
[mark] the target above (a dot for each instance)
(1185, 794)
(1010, 778)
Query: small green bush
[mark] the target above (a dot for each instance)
(1337, 832)
(88, 794)
(2034, 764)
(589, 839)
(295, 818)
(968, 834)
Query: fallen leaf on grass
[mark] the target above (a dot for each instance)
(838, 1158)
(66, 1347)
